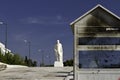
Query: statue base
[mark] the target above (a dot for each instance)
(58, 64)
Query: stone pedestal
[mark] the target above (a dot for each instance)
(58, 64)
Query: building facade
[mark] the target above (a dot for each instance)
(97, 45)
(3, 49)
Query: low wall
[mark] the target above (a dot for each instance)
(2, 66)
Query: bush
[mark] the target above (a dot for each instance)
(68, 62)
(16, 59)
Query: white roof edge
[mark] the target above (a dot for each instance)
(110, 12)
(98, 5)
(85, 14)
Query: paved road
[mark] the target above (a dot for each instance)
(35, 73)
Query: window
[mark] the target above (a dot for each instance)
(99, 59)
(99, 41)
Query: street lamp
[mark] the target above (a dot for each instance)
(42, 57)
(29, 50)
(49, 59)
(3, 23)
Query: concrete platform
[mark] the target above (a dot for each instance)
(2, 66)
(35, 73)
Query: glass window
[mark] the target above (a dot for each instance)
(99, 41)
(99, 59)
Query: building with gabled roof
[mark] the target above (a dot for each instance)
(97, 36)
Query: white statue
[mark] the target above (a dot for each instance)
(58, 53)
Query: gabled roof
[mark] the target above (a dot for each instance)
(93, 9)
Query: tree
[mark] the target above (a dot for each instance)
(34, 63)
(16, 59)
(68, 62)
(26, 61)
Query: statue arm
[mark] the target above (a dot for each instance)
(55, 48)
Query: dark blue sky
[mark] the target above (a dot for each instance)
(42, 22)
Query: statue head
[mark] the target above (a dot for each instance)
(58, 41)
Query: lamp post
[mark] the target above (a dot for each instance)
(3, 23)
(49, 59)
(29, 50)
(42, 57)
